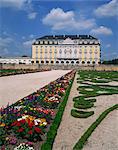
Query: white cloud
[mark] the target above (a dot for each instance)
(32, 15)
(24, 5)
(101, 30)
(28, 44)
(107, 10)
(58, 19)
(19, 4)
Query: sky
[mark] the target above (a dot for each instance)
(22, 21)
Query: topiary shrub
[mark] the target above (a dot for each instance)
(83, 106)
(81, 114)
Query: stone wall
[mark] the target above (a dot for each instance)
(19, 66)
(57, 67)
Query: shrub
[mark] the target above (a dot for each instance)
(81, 114)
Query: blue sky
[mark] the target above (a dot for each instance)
(21, 21)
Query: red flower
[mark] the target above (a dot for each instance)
(14, 123)
(30, 132)
(38, 130)
(18, 124)
(30, 123)
(23, 121)
(21, 129)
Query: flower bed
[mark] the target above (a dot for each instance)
(29, 119)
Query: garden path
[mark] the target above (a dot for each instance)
(71, 129)
(13, 88)
(105, 136)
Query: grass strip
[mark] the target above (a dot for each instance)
(54, 127)
(79, 145)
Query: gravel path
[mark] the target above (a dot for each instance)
(13, 88)
(71, 129)
(107, 132)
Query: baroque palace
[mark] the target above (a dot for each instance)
(66, 50)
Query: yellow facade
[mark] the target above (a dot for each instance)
(83, 53)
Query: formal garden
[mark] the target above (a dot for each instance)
(32, 122)
(92, 84)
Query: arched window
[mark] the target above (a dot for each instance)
(32, 62)
(47, 61)
(37, 61)
(72, 62)
(57, 62)
(67, 62)
(99, 62)
(42, 62)
(77, 62)
(93, 62)
(62, 62)
(83, 62)
(88, 62)
(52, 62)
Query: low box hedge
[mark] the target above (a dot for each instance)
(79, 145)
(81, 114)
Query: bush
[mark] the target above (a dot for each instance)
(81, 114)
(79, 145)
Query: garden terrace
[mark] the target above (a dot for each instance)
(31, 119)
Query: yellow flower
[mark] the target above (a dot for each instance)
(43, 120)
(31, 118)
(31, 108)
(2, 124)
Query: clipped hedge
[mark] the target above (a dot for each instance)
(83, 106)
(54, 127)
(79, 145)
(82, 103)
(81, 114)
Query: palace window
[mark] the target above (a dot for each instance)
(42, 62)
(93, 62)
(57, 62)
(37, 61)
(88, 62)
(75, 51)
(47, 61)
(60, 51)
(52, 62)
